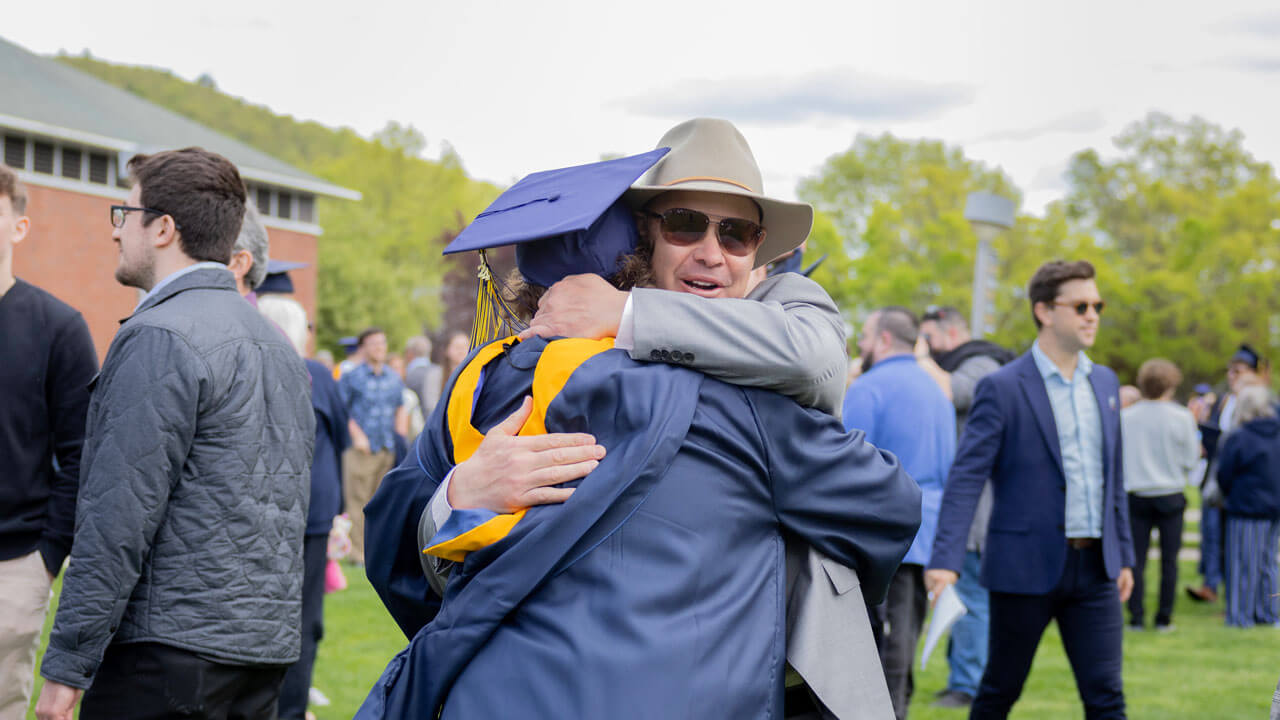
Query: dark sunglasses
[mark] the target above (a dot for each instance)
(1083, 307)
(119, 212)
(682, 226)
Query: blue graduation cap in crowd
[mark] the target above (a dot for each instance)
(790, 263)
(1247, 355)
(562, 222)
(349, 343)
(278, 280)
(794, 262)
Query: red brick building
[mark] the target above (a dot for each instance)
(69, 137)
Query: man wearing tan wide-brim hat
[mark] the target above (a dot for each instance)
(785, 335)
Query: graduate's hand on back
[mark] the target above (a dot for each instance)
(509, 472)
(584, 306)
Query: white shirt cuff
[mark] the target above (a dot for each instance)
(626, 330)
(440, 507)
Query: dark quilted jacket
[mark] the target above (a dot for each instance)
(193, 487)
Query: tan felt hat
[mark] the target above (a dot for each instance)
(710, 155)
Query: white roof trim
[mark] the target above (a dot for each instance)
(127, 149)
(36, 127)
(319, 188)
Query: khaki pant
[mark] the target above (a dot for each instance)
(25, 589)
(361, 475)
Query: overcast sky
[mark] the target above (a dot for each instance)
(517, 87)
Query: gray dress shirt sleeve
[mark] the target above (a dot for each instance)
(965, 380)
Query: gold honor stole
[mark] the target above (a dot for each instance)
(559, 360)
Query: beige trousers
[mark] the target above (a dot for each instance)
(361, 475)
(25, 589)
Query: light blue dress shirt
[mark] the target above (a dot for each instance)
(1079, 423)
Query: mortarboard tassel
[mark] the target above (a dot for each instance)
(494, 317)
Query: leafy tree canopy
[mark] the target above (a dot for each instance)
(1181, 226)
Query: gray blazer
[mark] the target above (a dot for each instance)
(786, 336)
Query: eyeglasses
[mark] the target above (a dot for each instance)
(118, 213)
(1082, 307)
(682, 226)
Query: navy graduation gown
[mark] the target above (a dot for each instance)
(658, 589)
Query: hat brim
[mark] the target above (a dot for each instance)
(787, 224)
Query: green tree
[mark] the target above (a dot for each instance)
(891, 220)
(1182, 228)
(1183, 220)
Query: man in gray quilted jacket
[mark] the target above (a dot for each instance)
(183, 595)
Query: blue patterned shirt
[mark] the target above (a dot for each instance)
(1075, 413)
(371, 399)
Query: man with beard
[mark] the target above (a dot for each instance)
(187, 559)
(902, 410)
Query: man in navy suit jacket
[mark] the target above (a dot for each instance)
(1046, 430)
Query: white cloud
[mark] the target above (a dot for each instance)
(841, 93)
(1072, 123)
(517, 86)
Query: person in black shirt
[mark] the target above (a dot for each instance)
(46, 362)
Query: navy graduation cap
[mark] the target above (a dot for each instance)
(563, 222)
(794, 262)
(278, 280)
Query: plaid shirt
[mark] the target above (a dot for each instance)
(371, 399)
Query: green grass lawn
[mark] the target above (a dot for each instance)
(1203, 670)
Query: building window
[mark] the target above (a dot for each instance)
(71, 163)
(264, 200)
(284, 205)
(15, 151)
(43, 157)
(307, 208)
(99, 168)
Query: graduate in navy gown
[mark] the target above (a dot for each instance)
(658, 588)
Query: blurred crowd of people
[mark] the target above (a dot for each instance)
(1220, 443)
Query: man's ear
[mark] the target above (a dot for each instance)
(1042, 311)
(167, 232)
(241, 261)
(21, 227)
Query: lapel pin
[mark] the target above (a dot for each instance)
(1112, 401)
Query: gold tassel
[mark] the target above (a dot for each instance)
(494, 318)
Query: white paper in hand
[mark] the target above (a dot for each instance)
(946, 612)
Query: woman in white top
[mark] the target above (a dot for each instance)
(1161, 446)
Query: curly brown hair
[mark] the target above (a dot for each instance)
(634, 270)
